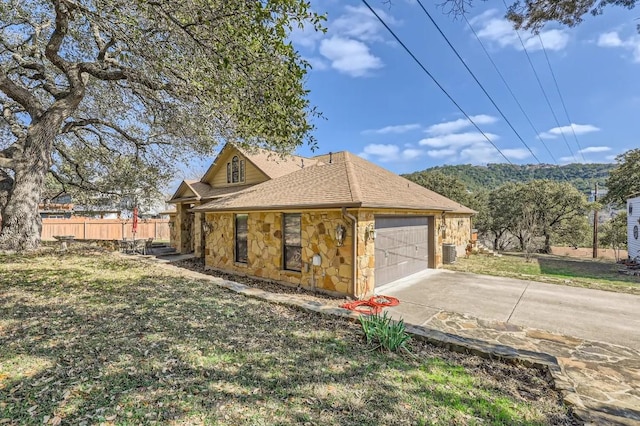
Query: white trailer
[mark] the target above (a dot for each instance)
(633, 227)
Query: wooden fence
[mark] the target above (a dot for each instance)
(104, 229)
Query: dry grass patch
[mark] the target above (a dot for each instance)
(90, 339)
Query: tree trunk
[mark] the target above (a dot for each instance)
(6, 184)
(547, 243)
(21, 222)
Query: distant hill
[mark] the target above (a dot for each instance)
(491, 176)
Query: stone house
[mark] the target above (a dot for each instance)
(336, 223)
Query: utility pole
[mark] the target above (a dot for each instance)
(595, 224)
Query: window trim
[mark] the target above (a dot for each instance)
(235, 239)
(284, 241)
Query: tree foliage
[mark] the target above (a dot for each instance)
(613, 233)
(540, 208)
(624, 179)
(533, 14)
(448, 185)
(491, 176)
(108, 95)
(454, 188)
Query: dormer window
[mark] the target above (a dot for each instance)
(235, 170)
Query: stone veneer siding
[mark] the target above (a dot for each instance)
(265, 249)
(184, 229)
(334, 275)
(458, 231)
(173, 231)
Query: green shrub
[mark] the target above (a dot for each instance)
(383, 332)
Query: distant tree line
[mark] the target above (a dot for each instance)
(531, 205)
(491, 176)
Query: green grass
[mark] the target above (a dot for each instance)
(597, 274)
(89, 339)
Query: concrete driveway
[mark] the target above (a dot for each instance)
(583, 313)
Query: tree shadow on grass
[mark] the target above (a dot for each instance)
(161, 348)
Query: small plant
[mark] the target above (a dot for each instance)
(382, 331)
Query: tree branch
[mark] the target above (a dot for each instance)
(22, 96)
(57, 36)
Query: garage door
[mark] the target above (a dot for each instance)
(402, 247)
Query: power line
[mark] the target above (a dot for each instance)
(476, 80)
(564, 106)
(513, 95)
(544, 92)
(434, 80)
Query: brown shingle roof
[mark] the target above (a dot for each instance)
(275, 165)
(348, 181)
(204, 191)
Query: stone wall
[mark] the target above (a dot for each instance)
(335, 273)
(265, 258)
(183, 231)
(197, 234)
(173, 233)
(458, 231)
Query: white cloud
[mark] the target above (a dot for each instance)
(479, 153)
(456, 140)
(441, 153)
(412, 153)
(401, 128)
(494, 28)
(594, 149)
(579, 129)
(359, 23)
(347, 43)
(612, 39)
(515, 153)
(385, 153)
(351, 57)
(459, 124)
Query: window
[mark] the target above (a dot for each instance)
(241, 238)
(235, 170)
(292, 242)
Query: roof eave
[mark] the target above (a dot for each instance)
(278, 207)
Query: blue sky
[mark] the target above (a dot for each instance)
(378, 103)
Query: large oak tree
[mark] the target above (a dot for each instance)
(106, 95)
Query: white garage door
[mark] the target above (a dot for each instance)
(402, 247)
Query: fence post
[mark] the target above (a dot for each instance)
(122, 231)
(84, 229)
(155, 229)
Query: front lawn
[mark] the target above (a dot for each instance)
(96, 338)
(597, 274)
